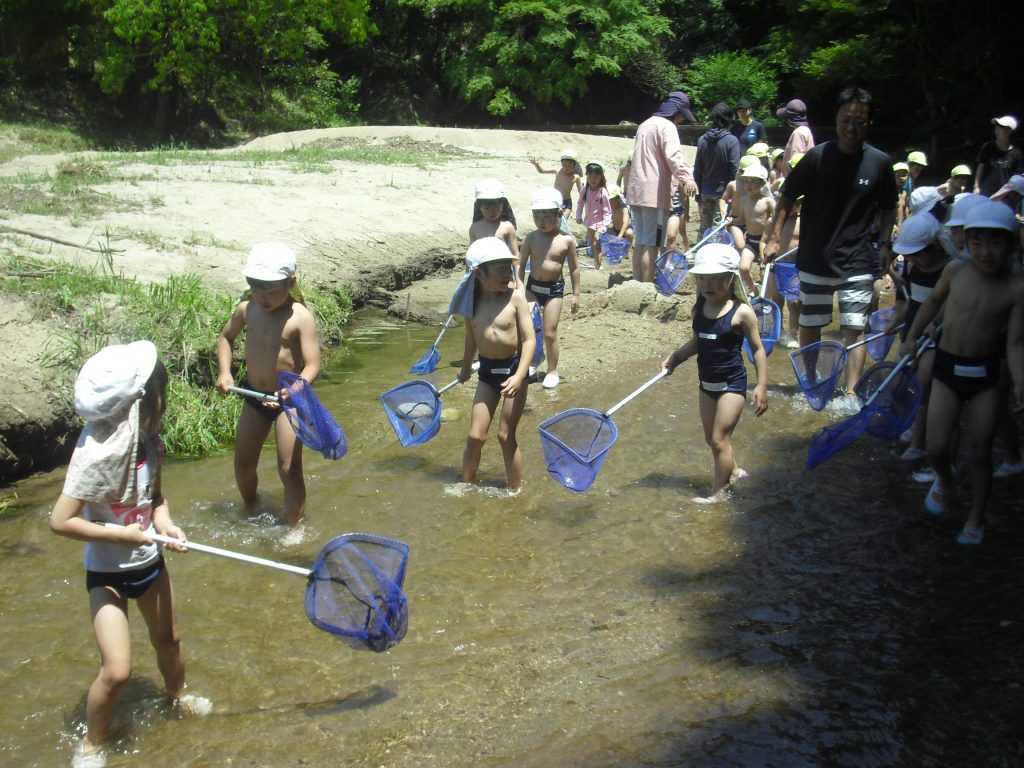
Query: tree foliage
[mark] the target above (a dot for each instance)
(730, 77)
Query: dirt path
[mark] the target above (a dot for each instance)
(395, 234)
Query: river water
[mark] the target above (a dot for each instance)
(626, 626)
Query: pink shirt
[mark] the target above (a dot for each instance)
(657, 167)
(800, 140)
(598, 207)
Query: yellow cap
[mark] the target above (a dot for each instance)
(918, 158)
(796, 158)
(747, 160)
(961, 170)
(760, 149)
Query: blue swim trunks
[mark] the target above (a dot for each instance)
(545, 290)
(496, 372)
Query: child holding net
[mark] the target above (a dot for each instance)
(594, 209)
(501, 330)
(114, 477)
(280, 336)
(722, 319)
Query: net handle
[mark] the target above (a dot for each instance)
(661, 375)
(253, 393)
(447, 324)
(714, 231)
(224, 553)
(922, 345)
(764, 280)
(872, 337)
(475, 367)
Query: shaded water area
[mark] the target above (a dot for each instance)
(813, 619)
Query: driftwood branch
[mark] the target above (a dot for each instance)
(57, 240)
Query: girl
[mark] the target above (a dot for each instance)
(492, 215)
(594, 199)
(722, 319)
(114, 477)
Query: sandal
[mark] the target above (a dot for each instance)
(971, 535)
(935, 501)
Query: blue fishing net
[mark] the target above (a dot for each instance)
(670, 271)
(817, 367)
(896, 405)
(787, 279)
(355, 590)
(575, 443)
(769, 325)
(427, 363)
(614, 248)
(721, 236)
(312, 422)
(414, 410)
(879, 321)
(829, 440)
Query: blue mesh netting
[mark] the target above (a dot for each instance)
(575, 443)
(787, 279)
(614, 248)
(769, 325)
(313, 424)
(355, 590)
(829, 440)
(896, 405)
(670, 271)
(721, 236)
(538, 331)
(879, 348)
(414, 410)
(427, 363)
(817, 367)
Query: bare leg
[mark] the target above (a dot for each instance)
(250, 434)
(746, 262)
(110, 625)
(511, 411)
(983, 412)
(855, 361)
(552, 315)
(719, 418)
(943, 415)
(484, 403)
(595, 247)
(157, 608)
(289, 469)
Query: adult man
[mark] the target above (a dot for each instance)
(998, 160)
(655, 169)
(801, 139)
(716, 164)
(846, 184)
(747, 130)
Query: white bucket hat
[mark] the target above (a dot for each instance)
(270, 262)
(486, 250)
(489, 189)
(546, 199)
(962, 204)
(991, 215)
(923, 199)
(113, 378)
(716, 259)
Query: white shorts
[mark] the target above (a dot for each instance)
(650, 225)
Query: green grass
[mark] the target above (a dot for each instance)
(183, 316)
(20, 139)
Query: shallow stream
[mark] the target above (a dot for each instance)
(626, 626)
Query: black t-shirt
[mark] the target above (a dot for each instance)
(999, 166)
(842, 196)
(748, 134)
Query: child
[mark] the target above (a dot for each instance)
(955, 222)
(679, 217)
(902, 172)
(775, 172)
(721, 321)
(980, 299)
(918, 243)
(502, 332)
(567, 178)
(280, 336)
(547, 251)
(621, 223)
(492, 215)
(114, 477)
(960, 180)
(758, 210)
(594, 200)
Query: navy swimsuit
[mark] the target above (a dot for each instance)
(719, 364)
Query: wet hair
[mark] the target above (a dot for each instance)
(154, 399)
(854, 94)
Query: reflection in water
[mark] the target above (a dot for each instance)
(623, 626)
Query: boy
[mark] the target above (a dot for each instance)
(280, 336)
(546, 250)
(981, 299)
(567, 178)
(758, 210)
(502, 332)
(621, 223)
